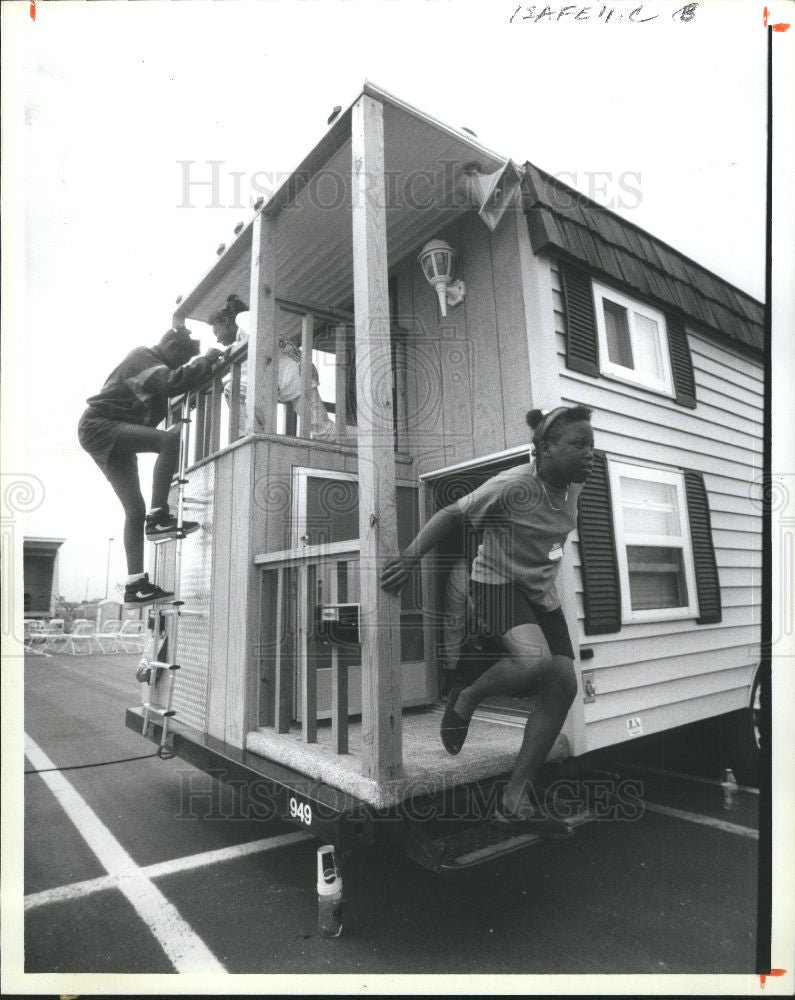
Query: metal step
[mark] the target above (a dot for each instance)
(158, 664)
(179, 610)
(471, 845)
(159, 710)
(177, 536)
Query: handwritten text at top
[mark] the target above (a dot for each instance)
(606, 14)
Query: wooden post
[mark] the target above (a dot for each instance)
(263, 342)
(234, 404)
(339, 683)
(215, 415)
(200, 436)
(306, 663)
(401, 404)
(341, 383)
(283, 651)
(380, 612)
(305, 400)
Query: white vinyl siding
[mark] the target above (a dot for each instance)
(673, 672)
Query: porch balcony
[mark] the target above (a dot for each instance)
(316, 265)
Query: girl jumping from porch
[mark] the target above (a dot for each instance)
(525, 515)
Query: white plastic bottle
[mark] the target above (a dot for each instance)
(329, 893)
(730, 789)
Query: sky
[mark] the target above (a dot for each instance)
(105, 103)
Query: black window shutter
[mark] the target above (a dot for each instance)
(681, 362)
(707, 583)
(582, 346)
(602, 591)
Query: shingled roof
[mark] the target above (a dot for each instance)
(563, 220)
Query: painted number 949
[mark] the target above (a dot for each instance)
(302, 811)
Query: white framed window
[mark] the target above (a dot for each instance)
(633, 341)
(653, 547)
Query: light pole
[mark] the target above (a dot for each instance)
(107, 570)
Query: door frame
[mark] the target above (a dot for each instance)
(414, 672)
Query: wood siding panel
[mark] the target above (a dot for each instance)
(510, 331)
(404, 277)
(468, 373)
(219, 608)
(423, 360)
(476, 268)
(238, 607)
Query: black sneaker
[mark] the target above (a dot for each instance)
(164, 525)
(144, 592)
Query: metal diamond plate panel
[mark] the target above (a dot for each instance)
(193, 640)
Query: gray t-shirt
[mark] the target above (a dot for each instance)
(523, 532)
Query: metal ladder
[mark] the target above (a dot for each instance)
(158, 677)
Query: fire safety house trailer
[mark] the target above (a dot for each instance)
(562, 301)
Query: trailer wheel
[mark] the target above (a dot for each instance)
(743, 730)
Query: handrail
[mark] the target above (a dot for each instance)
(310, 555)
(225, 380)
(206, 405)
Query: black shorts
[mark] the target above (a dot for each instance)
(97, 436)
(500, 607)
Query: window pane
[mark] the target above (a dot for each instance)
(647, 347)
(411, 637)
(656, 577)
(619, 348)
(649, 508)
(332, 510)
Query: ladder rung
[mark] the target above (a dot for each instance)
(159, 665)
(159, 710)
(193, 502)
(182, 611)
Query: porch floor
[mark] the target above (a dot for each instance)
(490, 750)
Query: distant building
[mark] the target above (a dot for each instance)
(40, 576)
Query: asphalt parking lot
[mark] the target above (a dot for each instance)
(122, 876)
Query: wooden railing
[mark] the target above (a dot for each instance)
(218, 405)
(289, 636)
(219, 392)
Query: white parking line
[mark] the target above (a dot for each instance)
(183, 947)
(76, 890)
(682, 777)
(718, 824)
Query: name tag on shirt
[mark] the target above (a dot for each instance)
(556, 552)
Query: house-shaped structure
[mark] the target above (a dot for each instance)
(563, 302)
